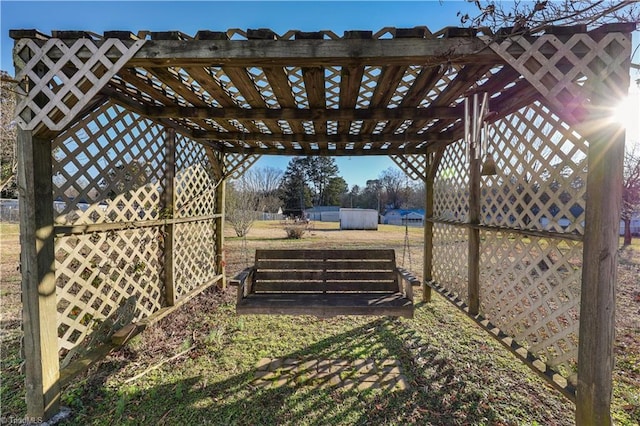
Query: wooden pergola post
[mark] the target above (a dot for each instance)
(605, 158)
(428, 229)
(219, 221)
(599, 275)
(599, 270)
(168, 203)
(37, 264)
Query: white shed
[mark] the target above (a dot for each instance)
(358, 219)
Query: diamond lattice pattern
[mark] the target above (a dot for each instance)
(530, 289)
(195, 186)
(96, 273)
(194, 242)
(541, 178)
(56, 90)
(108, 168)
(571, 68)
(450, 258)
(451, 185)
(414, 166)
(194, 255)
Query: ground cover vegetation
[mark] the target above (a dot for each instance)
(197, 365)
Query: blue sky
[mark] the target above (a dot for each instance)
(189, 17)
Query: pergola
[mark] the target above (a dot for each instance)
(126, 141)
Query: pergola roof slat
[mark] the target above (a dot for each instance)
(246, 87)
(394, 87)
(350, 80)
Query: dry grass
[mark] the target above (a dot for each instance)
(458, 375)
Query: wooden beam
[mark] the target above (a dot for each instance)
(38, 276)
(599, 274)
(423, 84)
(427, 275)
(177, 86)
(314, 86)
(248, 90)
(168, 203)
(279, 82)
(466, 78)
(171, 81)
(390, 77)
(219, 231)
(311, 139)
(605, 158)
(376, 114)
(357, 149)
(314, 53)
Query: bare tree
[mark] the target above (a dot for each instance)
(8, 156)
(240, 207)
(254, 192)
(395, 184)
(534, 16)
(263, 180)
(631, 189)
(265, 184)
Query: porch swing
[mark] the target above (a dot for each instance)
(325, 283)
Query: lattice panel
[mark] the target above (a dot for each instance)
(530, 289)
(154, 87)
(451, 185)
(262, 85)
(298, 89)
(232, 165)
(59, 81)
(367, 87)
(221, 78)
(108, 168)
(542, 170)
(332, 80)
(415, 166)
(194, 255)
(450, 258)
(96, 273)
(445, 80)
(194, 185)
(565, 75)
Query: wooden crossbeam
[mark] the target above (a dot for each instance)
(350, 80)
(339, 151)
(343, 114)
(307, 138)
(315, 53)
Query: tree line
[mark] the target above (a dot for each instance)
(315, 181)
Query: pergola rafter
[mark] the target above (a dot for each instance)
(165, 118)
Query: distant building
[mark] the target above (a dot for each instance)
(411, 217)
(362, 219)
(323, 213)
(635, 226)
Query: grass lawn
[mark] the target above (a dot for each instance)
(456, 373)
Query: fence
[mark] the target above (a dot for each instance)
(9, 210)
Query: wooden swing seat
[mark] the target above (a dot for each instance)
(325, 283)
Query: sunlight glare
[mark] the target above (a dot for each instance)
(623, 112)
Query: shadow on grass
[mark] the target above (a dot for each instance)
(436, 398)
